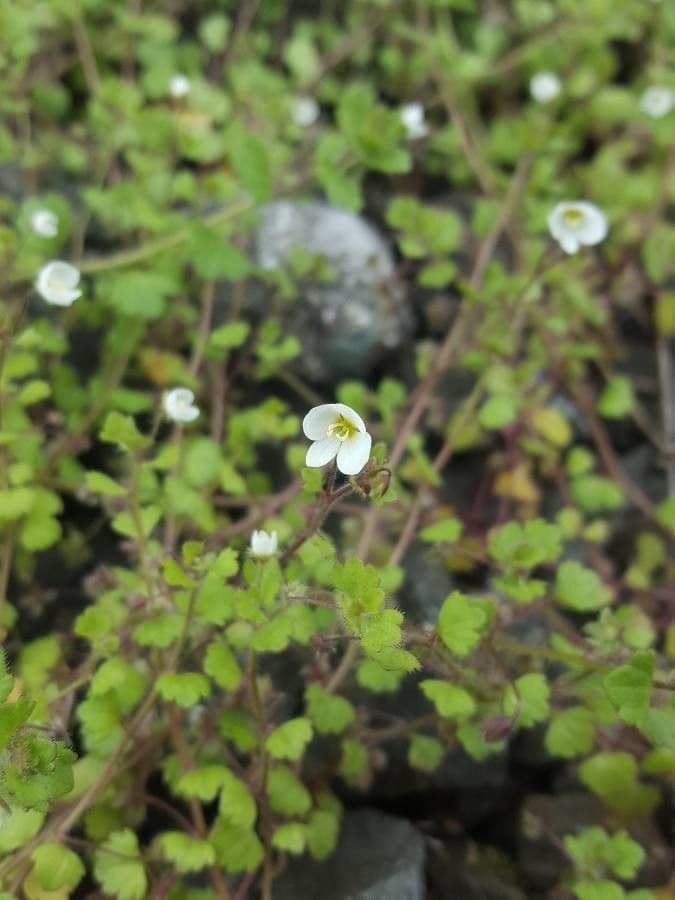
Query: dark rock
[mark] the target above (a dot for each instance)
(544, 822)
(466, 872)
(379, 857)
(346, 324)
(427, 584)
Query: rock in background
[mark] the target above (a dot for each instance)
(347, 324)
(379, 857)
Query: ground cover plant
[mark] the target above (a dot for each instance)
(258, 569)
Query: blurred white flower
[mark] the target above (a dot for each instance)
(412, 116)
(545, 86)
(577, 223)
(304, 111)
(57, 283)
(337, 430)
(179, 85)
(44, 223)
(264, 543)
(179, 405)
(657, 101)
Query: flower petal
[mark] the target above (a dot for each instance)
(569, 243)
(351, 415)
(318, 420)
(354, 453)
(321, 452)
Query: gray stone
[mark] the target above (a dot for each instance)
(427, 584)
(344, 325)
(379, 857)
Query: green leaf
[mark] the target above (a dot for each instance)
(122, 679)
(289, 740)
(221, 664)
(571, 733)
(451, 701)
(184, 689)
(354, 760)
(12, 717)
(161, 631)
(251, 163)
(121, 430)
(229, 336)
(18, 827)
(629, 688)
(613, 777)
(213, 256)
(290, 837)
(445, 531)
(286, 793)
(56, 866)
(323, 828)
(100, 483)
(118, 867)
(329, 714)
(174, 575)
(137, 293)
(623, 855)
(598, 890)
(237, 849)
(617, 399)
(525, 546)
(381, 631)
(579, 588)
(498, 412)
(425, 753)
(595, 494)
(665, 513)
(460, 623)
(202, 461)
(204, 782)
(33, 392)
(236, 804)
(372, 676)
(128, 526)
(528, 699)
(187, 854)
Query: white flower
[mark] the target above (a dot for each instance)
(179, 85)
(264, 543)
(304, 111)
(44, 223)
(57, 283)
(412, 116)
(657, 101)
(576, 223)
(545, 86)
(179, 405)
(337, 431)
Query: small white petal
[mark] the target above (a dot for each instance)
(354, 453)
(657, 101)
(304, 111)
(318, 420)
(588, 227)
(57, 283)
(321, 452)
(179, 405)
(545, 86)
(412, 117)
(568, 243)
(44, 223)
(263, 543)
(179, 85)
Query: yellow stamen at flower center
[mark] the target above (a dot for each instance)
(573, 218)
(342, 429)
